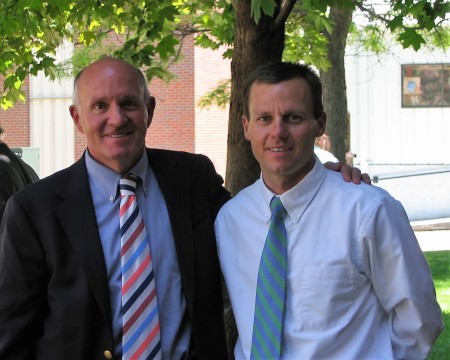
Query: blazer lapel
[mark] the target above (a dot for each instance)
(77, 216)
(175, 187)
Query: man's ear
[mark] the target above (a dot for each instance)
(245, 126)
(321, 122)
(74, 113)
(151, 104)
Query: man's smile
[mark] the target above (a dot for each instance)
(279, 149)
(120, 135)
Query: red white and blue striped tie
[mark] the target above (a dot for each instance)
(140, 330)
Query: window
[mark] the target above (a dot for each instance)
(426, 85)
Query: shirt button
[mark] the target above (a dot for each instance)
(107, 354)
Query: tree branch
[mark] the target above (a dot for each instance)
(286, 8)
(371, 12)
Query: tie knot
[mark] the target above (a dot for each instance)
(276, 207)
(128, 184)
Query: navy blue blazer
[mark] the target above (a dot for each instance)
(54, 297)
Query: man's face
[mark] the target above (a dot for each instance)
(112, 114)
(282, 130)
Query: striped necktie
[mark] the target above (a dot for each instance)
(140, 329)
(271, 289)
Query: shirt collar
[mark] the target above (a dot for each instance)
(107, 180)
(296, 199)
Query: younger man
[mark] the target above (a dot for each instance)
(343, 276)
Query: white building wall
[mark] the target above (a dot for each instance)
(51, 126)
(392, 143)
(382, 132)
(211, 124)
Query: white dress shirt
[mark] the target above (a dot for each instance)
(358, 285)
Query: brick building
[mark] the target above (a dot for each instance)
(16, 121)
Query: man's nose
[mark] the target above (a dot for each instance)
(278, 128)
(116, 115)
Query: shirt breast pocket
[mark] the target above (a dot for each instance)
(325, 295)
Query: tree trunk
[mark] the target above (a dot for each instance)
(254, 44)
(334, 85)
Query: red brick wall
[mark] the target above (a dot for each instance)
(173, 125)
(16, 121)
(79, 143)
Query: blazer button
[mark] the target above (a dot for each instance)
(107, 354)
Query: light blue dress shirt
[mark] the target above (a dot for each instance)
(174, 323)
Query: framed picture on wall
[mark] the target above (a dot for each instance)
(426, 85)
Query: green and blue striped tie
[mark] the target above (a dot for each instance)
(271, 289)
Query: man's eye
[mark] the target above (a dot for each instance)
(264, 118)
(130, 104)
(99, 106)
(294, 118)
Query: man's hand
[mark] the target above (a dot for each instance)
(349, 173)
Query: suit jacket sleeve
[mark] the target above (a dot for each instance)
(22, 284)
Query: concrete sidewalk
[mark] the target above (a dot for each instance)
(433, 240)
(433, 235)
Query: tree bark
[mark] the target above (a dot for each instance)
(254, 44)
(334, 85)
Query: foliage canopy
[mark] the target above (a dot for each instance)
(152, 31)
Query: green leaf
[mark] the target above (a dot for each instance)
(220, 96)
(228, 54)
(267, 7)
(205, 41)
(87, 37)
(157, 72)
(410, 37)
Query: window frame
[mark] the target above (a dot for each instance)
(425, 85)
